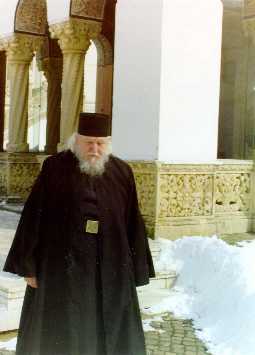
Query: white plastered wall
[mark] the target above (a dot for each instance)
(167, 79)
(136, 78)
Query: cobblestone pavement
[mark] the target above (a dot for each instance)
(173, 336)
(170, 336)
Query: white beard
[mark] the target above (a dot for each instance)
(94, 168)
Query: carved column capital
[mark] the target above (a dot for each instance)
(75, 35)
(21, 48)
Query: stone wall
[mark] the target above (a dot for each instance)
(195, 199)
(18, 172)
(175, 199)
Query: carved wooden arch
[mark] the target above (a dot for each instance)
(31, 17)
(104, 50)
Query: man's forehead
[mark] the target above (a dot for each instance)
(90, 138)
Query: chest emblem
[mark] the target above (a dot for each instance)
(91, 226)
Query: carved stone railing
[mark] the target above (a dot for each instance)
(188, 199)
(175, 199)
(18, 172)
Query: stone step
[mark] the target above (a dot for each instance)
(154, 248)
(163, 280)
(12, 290)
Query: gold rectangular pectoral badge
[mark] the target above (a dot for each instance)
(91, 226)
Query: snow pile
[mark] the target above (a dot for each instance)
(216, 288)
(9, 345)
(147, 327)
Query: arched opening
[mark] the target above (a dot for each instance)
(37, 108)
(90, 79)
(104, 83)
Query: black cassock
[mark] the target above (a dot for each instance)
(86, 301)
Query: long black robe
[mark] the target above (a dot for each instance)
(86, 302)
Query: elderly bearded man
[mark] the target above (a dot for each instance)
(82, 248)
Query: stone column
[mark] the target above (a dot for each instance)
(2, 95)
(74, 40)
(20, 50)
(53, 68)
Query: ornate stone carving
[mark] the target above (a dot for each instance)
(232, 192)
(21, 48)
(93, 9)
(21, 178)
(31, 17)
(3, 175)
(17, 174)
(146, 183)
(74, 35)
(146, 189)
(173, 203)
(193, 199)
(185, 195)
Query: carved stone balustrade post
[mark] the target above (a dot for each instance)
(53, 68)
(74, 40)
(20, 50)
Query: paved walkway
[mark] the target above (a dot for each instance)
(173, 336)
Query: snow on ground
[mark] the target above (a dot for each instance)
(216, 288)
(9, 345)
(8, 220)
(147, 327)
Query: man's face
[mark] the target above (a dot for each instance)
(92, 148)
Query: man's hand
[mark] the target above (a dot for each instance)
(31, 281)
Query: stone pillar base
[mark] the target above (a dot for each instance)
(195, 199)
(18, 172)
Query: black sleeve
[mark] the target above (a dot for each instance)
(138, 240)
(21, 259)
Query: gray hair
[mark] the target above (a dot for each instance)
(86, 166)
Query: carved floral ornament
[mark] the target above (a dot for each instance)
(168, 191)
(90, 9)
(75, 34)
(31, 17)
(21, 47)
